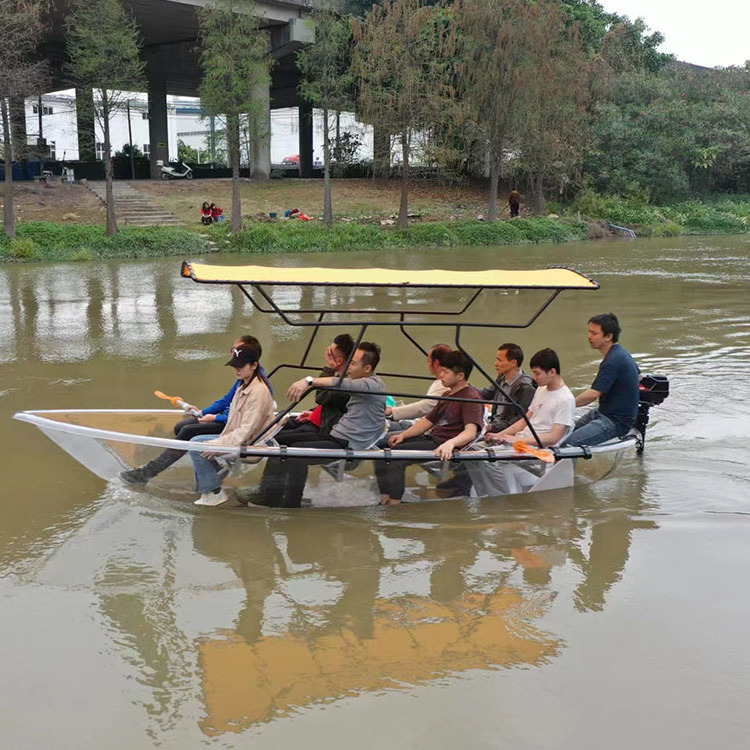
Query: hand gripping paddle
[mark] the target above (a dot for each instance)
(178, 402)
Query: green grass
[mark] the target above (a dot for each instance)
(49, 241)
(300, 237)
(722, 215)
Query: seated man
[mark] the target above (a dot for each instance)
(330, 404)
(450, 425)
(551, 413)
(426, 405)
(313, 424)
(616, 386)
(512, 386)
(359, 428)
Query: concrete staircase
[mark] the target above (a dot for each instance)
(134, 208)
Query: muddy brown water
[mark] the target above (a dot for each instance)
(609, 615)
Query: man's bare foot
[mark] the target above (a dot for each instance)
(392, 501)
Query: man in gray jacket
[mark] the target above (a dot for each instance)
(360, 427)
(512, 385)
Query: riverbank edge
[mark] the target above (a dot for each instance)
(54, 242)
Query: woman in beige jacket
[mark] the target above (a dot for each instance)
(250, 412)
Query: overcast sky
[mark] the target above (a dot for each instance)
(711, 33)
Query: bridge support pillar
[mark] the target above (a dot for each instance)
(305, 139)
(85, 124)
(260, 138)
(158, 127)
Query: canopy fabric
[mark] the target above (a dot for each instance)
(549, 278)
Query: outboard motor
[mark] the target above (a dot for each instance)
(653, 390)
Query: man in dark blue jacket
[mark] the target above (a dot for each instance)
(211, 421)
(616, 386)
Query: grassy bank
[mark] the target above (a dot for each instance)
(300, 237)
(46, 241)
(724, 215)
(49, 241)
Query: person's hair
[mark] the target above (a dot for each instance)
(608, 323)
(546, 359)
(250, 342)
(370, 354)
(458, 362)
(438, 351)
(205, 205)
(344, 343)
(512, 351)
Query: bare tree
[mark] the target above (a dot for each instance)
(235, 61)
(327, 82)
(402, 62)
(103, 54)
(21, 73)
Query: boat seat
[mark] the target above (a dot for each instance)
(338, 468)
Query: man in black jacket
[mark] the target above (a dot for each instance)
(311, 425)
(515, 388)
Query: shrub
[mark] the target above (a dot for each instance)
(22, 248)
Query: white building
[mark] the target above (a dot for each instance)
(58, 125)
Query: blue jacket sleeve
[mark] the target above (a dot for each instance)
(221, 407)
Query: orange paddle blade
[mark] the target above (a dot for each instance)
(541, 453)
(174, 399)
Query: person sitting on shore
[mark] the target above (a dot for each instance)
(359, 428)
(217, 213)
(421, 408)
(206, 217)
(251, 411)
(210, 421)
(551, 413)
(617, 386)
(449, 426)
(514, 388)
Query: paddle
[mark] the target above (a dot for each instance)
(541, 453)
(178, 402)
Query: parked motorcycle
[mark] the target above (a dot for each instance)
(181, 171)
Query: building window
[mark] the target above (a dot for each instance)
(147, 149)
(52, 150)
(45, 110)
(99, 151)
(144, 115)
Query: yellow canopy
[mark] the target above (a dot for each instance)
(549, 278)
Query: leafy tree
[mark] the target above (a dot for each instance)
(235, 65)
(402, 59)
(327, 81)
(555, 97)
(103, 47)
(187, 153)
(497, 56)
(21, 27)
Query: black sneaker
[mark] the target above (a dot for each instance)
(135, 477)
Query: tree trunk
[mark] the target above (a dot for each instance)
(494, 179)
(9, 216)
(327, 207)
(110, 198)
(381, 153)
(540, 207)
(403, 211)
(233, 141)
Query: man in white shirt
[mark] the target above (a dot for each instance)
(552, 415)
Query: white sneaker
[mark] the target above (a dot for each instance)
(212, 498)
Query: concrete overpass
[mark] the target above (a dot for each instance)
(169, 29)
